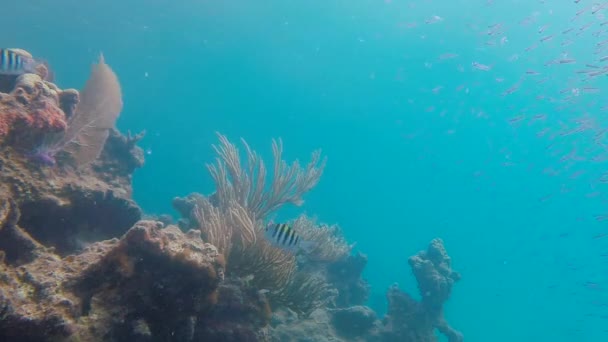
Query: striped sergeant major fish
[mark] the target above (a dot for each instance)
(283, 236)
(14, 63)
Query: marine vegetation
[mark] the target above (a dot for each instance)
(74, 123)
(99, 106)
(233, 219)
(79, 263)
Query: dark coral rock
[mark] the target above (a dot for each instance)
(288, 326)
(345, 275)
(78, 218)
(147, 286)
(432, 269)
(411, 321)
(353, 321)
(161, 277)
(68, 100)
(185, 207)
(406, 320)
(7, 83)
(120, 156)
(66, 208)
(241, 314)
(17, 246)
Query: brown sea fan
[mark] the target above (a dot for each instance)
(99, 107)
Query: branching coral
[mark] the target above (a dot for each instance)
(233, 219)
(328, 243)
(304, 293)
(216, 227)
(246, 184)
(269, 267)
(232, 231)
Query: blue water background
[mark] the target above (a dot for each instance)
(350, 78)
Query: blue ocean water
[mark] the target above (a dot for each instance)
(418, 146)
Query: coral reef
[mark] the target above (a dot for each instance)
(78, 263)
(407, 320)
(346, 275)
(410, 320)
(67, 208)
(109, 288)
(62, 206)
(30, 111)
(233, 217)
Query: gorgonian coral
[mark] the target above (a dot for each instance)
(99, 106)
(233, 219)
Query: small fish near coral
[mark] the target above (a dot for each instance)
(283, 236)
(15, 62)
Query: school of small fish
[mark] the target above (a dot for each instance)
(551, 56)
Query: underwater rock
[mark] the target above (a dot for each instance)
(287, 326)
(241, 313)
(120, 156)
(354, 321)
(185, 207)
(79, 217)
(29, 112)
(148, 284)
(68, 101)
(433, 271)
(408, 320)
(61, 206)
(66, 208)
(322, 325)
(345, 275)
(16, 246)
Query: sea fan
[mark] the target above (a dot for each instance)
(99, 107)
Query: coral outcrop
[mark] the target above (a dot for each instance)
(62, 205)
(31, 109)
(346, 275)
(111, 289)
(78, 263)
(67, 208)
(407, 320)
